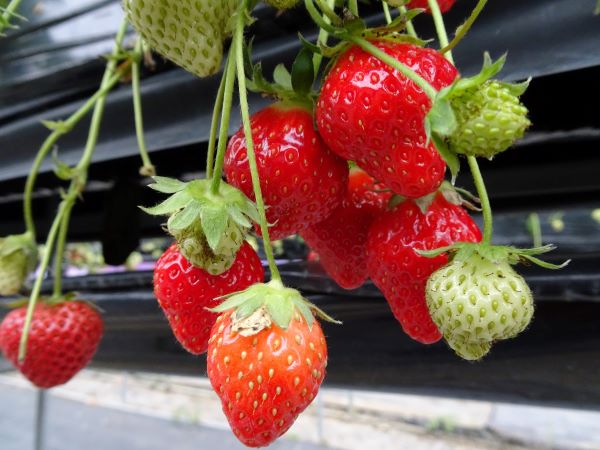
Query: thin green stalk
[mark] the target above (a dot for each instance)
(260, 204)
(386, 11)
(353, 7)
(440, 27)
(148, 168)
(51, 140)
(410, 28)
(483, 197)
(322, 39)
(473, 165)
(225, 116)
(465, 27)
(535, 228)
(7, 14)
(214, 126)
(35, 292)
(392, 62)
(60, 250)
(327, 7)
(75, 188)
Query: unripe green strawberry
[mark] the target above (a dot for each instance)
(476, 301)
(209, 226)
(282, 4)
(18, 256)
(194, 246)
(188, 32)
(490, 120)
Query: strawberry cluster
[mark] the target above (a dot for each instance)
(356, 167)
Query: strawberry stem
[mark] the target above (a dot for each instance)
(7, 14)
(51, 140)
(77, 183)
(322, 39)
(214, 126)
(238, 45)
(465, 27)
(410, 28)
(440, 27)
(394, 63)
(486, 208)
(386, 12)
(483, 196)
(60, 250)
(353, 7)
(225, 116)
(148, 168)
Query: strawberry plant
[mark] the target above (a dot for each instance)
(388, 104)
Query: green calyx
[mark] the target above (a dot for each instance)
(18, 257)
(478, 116)
(496, 254)
(295, 87)
(209, 228)
(265, 303)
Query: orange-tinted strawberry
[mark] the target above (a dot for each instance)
(266, 361)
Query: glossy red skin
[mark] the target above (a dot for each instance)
(399, 272)
(185, 291)
(444, 5)
(341, 239)
(62, 341)
(238, 364)
(302, 181)
(373, 115)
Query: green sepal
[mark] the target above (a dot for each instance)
(172, 204)
(497, 254)
(214, 219)
(167, 185)
(57, 125)
(449, 157)
(279, 302)
(440, 119)
(282, 76)
(61, 169)
(303, 72)
(183, 219)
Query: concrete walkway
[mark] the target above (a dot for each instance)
(120, 411)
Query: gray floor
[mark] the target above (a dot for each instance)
(76, 426)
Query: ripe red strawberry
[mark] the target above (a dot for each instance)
(62, 341)
(302, 181)
(399, 272)
(341, 239)
(265, 380)
(369, 113)
(185, 291)
(444, 5)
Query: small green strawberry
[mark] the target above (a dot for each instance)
(490, 119)
(478, 116)
(282, 4)
(209, 227)
(188, 32)
(478, 298)
(18, 257)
